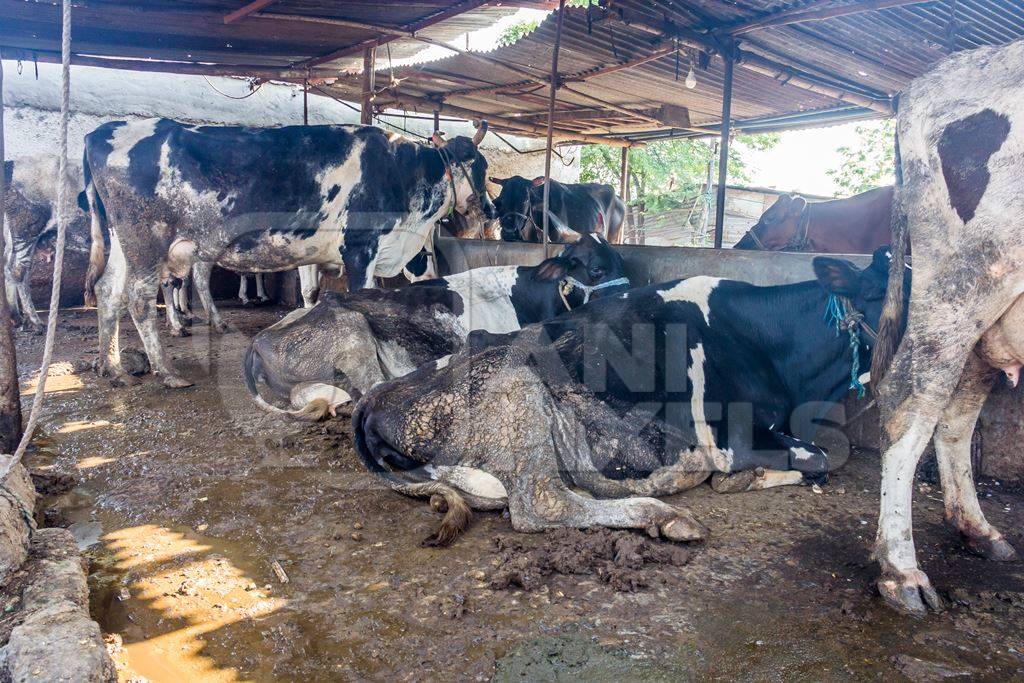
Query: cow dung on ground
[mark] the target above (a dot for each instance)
(617, 558)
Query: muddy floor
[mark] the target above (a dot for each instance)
(227, 544)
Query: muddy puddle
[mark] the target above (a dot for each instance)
(226, 544)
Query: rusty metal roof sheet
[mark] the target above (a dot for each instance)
(865, 57)
(284, 34)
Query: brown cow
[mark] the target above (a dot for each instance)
(855, 225)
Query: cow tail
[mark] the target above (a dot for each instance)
(97, 251)
(314, 411)
(890, 325)
(443, 498)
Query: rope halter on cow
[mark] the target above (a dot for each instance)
(843, 315)
(568, 284)
(447, 159)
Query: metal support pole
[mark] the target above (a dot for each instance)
(551, 121)
(723, 150)
(10, 399)
(369, 66)
(437, 120)
(305, 101)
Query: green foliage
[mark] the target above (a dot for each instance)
(512, 34)
(665, 175)
(870, 162)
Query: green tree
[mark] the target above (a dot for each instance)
(870, 162)
(512, 34)
(665, 175)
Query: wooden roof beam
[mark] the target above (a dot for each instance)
(246, 10)
(171, 67)
(436, 18)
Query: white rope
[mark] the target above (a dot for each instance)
(63, 202)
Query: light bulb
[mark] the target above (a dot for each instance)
(691, 79)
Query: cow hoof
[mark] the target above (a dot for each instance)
(997, 549)
(173, 382)
(438, 503)
(219, 327)
(683, 528)
(181, 332)
(909, 592)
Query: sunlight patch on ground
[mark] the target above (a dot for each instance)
(82, 425)
(179, 592)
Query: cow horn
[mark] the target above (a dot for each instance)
(481, 131)
(438, 139)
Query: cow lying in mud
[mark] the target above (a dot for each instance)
(959, 204)
(31, 219)
(573, 209)
(345, 197)
(645, 393)
(348, 343)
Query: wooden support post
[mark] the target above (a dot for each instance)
(551, 122)
(723, 150)
(624, 188)
(624, 173)
(369, 66)
(10, 399)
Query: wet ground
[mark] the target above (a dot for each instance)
(227, 544)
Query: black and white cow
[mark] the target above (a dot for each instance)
(321, 358)
(347, 198)
(31, 220)
(643, 393)
(959, 203)
(572, 209)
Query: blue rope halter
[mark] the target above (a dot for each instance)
(836, 315)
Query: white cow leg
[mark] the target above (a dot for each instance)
(953, 452)
(243, 289)
(142, 306)
(174, 322)
(902, 584)
(32, 321)
(261, 293)
(201, 277)
(111, 300)
(309, 284)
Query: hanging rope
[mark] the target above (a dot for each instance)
(251, 92)
(63, 201)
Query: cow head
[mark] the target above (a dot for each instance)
(864, 288)
(584, 265)
(514, 206)
(777, 227)
(468, 169)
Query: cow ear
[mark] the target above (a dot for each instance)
(552, 269)
(797, 206)
(837, 276)
(499, 181)
(538, 181)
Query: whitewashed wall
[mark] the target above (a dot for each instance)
(31, 109)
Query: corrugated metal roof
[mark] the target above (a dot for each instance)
(285, 33)
(867, 56)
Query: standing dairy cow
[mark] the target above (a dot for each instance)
(959, 198)
(260, 199)
(30, 220)
(573, 209)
